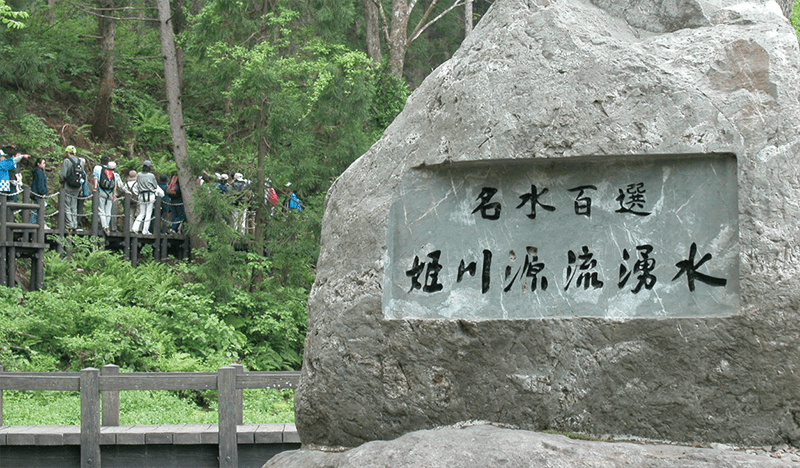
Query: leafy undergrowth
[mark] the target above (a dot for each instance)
(96, 309)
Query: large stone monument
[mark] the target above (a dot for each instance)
(586, 220)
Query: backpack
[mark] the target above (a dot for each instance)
(75, 175)
(106, 179)
(174, 189)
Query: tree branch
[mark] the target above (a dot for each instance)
(384, 21)
(420, 29)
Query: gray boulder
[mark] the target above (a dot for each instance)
(556, 79)
(490, 446)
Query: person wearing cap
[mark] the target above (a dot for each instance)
(38, 186)
(107, 197)
(222, 183)
(70, 193)
(148, 189)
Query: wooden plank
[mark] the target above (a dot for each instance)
(268, 380)
(211, 436)
(108, 437)
(160, 435)
(290, 435)
(107, 432)
(192, 434)
(135, 435)
(71, 434)
(159, 381)
(21, 435)
(245, 433)
(33, 381)
(49, 435)
(269, 433)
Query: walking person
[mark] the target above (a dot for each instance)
(107, 181)
(148, 190)
(71, 177)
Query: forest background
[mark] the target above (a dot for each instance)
(287, 90)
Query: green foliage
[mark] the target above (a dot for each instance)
(153, 317)
(390, 100)
(9, 18)
(151, 124)
(31, 134)
(795, 19)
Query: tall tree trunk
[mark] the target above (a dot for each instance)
(373, 30)
(108, 30)
(397, 40)
(175, 112)
(396, 31)
(786, 7)
(467, 17)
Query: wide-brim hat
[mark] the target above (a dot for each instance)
(131, 176)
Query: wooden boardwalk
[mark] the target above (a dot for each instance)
(101, 441)
(21, 240)
(169, 434)
(163, 446)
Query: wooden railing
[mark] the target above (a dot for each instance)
(92, 383)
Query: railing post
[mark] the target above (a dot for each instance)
(40, 218)
(155, 228)
(228, 449)
(90, 418)
(95, 211)
(62, 226)
(239, 395)
(110, 398)
(126, 225)
(26, 198)
(62, 214)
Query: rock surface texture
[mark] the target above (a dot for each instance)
(561, 79)
(486, 445)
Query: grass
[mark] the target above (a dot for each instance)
(23, 408)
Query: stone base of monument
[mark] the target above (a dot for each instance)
(472, 445)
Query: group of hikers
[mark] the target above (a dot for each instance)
(143, 186)
(242, 197)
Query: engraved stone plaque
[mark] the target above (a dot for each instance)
(613, 237)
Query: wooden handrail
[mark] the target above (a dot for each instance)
(230, 381)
